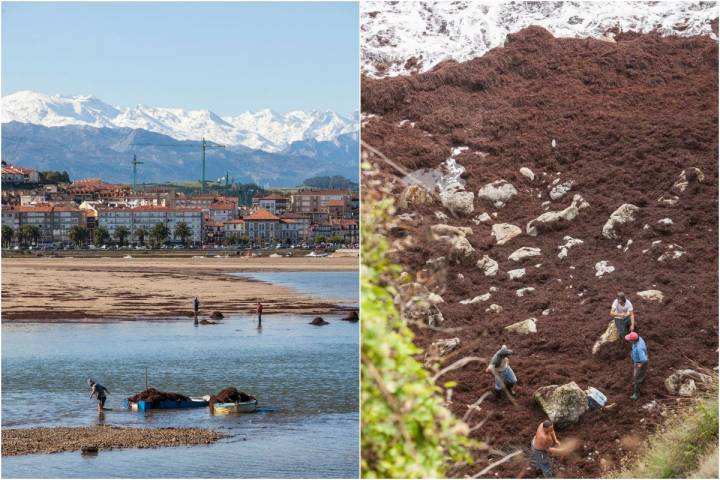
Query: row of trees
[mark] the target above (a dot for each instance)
(79, 235)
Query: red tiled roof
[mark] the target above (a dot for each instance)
(12, 169)
(342, 221)
(215, 224)
(148, 208)
(223, 206)
(273, 196)
(261, 214)
(236, 221)
(335, 203)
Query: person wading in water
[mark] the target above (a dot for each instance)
(101, 392)
(259, 309)
(196, 308)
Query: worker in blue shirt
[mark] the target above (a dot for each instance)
(639, 356)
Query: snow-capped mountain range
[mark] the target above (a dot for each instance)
(427, 33)
(263, 130)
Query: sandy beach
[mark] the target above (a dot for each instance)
(101, 289)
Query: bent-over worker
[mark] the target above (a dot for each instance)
(639, 356)
(98, 390)
(541, 446)
(623, 314)
(500, 368)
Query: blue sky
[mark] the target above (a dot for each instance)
(225, 57)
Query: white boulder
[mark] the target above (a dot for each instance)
(687, 176)
(651, 295)
(494, 308)
(559, 190)
(570, 242)
(523, 253)
(687, 382)
(610, 335)
(563, 404)
(488, 266)
(480, 298)
(602, 267)
(549, 218)
(624, 214)
(524, 327)
(515, 274)
(521, 292)
(458, 201)
(527, 173)
(504, 232)
(498, 192)
(482, 218)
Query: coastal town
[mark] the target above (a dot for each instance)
(43, 211)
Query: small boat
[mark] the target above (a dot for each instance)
(233, 407)
(143, 405)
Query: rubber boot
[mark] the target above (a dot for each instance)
(498, 393)
(636, 393)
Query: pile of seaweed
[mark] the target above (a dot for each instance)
(229, 395)
(153, 395)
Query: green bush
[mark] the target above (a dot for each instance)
(406, 431)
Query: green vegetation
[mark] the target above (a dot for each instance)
(183, 232)
(407, 432)
(7, 235)
(159, 234)
(28, 234)
(121, 233)
(140, 234)
(101, 235)
(683, 444)
(78, 235)
(243, 191)
(334, 182)
(54, 177)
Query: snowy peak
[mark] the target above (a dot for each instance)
(262, 130)
(400, 38)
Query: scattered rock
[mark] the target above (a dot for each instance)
(494, 308)
(570, 242)
(558, 191)
(440, 348)
(564, 404)
(610, 335)
(417, 306)
(488, 266)
(498, 192)
(482, 218)
(522, 291)
(623, 215)
(665, 221)
(435, 298)
(414, 195)
(687, 382)
(458, 201)
(686, 177)
(524, 327)
(454, 237)
(89, 449)
(672, 251)
(216, 316)
(669, 200)
(442, 217)
(527, 173)
(351, 317)
(318, 321)
(515, 274)
(504, 232)
(480, 298)
(553, 219)
(602, 267)
(651, 295)
(523, 253)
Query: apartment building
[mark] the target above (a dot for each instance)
(235, 228)
(310, 201)
(52, 221)
(147, 217)
(262, 226)
(223, 211)
(13, 174)
(273, 203)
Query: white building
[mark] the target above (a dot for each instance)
(148, 217)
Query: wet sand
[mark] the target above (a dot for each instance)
(102, 289)
(25, 441)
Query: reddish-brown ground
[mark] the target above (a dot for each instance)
(627, 118)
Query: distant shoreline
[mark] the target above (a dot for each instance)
(96, 290)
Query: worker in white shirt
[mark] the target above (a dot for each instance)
(622, 312)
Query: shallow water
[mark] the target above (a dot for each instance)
(307, 375)
(341, 287)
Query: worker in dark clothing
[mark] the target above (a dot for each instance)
(196, 308)
(543, 444)
(100, 392)
(639, 356)
(500, 368)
